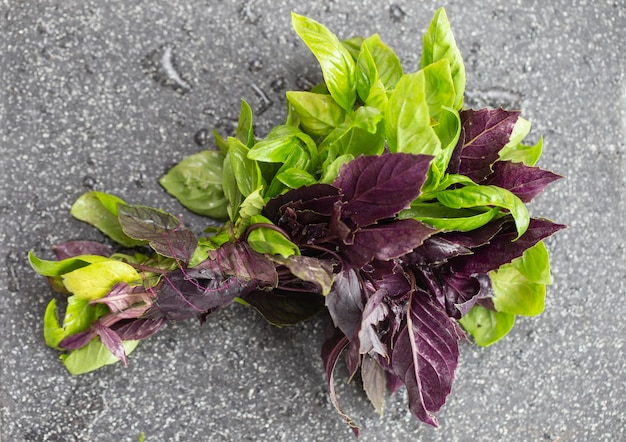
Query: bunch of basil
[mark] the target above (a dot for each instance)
(379, 200)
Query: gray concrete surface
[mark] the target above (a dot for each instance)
(85, 105)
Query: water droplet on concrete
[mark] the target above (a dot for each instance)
(89, 182)
(278, 84)
(201, 137)
(161, 66)
(255, 65)
(396, 13)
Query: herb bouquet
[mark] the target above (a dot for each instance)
(379, 200)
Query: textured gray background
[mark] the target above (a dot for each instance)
(85, 105)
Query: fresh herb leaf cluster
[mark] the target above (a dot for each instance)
(380, 200)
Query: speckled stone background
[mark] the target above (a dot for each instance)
(86, 104)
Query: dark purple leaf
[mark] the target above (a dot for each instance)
(136, 329)
(484, 133)
(346, 301)
(71, 249)
(475, 238)
(435, 250)
(317, 197)
(112, 341)
(462, 292)
(375, 312)
(385, 241)
(425, 356)
(240, 260)
(77, 340)
(284, 307)
(166, 233)
(183, 294)
(524, 181)
(331, 350)
(502, 249)
(377, 187)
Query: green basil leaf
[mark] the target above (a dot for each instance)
(338, 66)
(520, 130)
(319, 114)
(247, 173)
(534, 264)
(447, 219)
(407, 119)
(252, 205)
(295, 177)
(100, 210)
(439, 44)
(220, 142)
(93, 356)
(487, 326)
(439, 87)
(244, 132)
(515, 294)
(197, 184)
(230, 188)
(79, 315)
(268, 240)
(95, 280)
(475, 196)
(388, 66)
(276, 146)
(58, 268)
(528, 155)
(353, 45)
(331, 170)
(366, 73)
(53, 333)
(299, 158)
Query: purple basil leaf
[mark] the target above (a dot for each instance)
(385, 241)
(478, 237)
(112, 341)
(166, 233)
(183, 294)
(425, 356)
(284, 307)
(71, 249)
(435, 250)
(317, 197)
(524, 181)
(122, 297)
(136, 329)
(502, 249)
(331, 350)
(377, 187)
(345, 301)
(462, 292)
(77, 340)
(238, 259)
(375, 312)
(484, 133)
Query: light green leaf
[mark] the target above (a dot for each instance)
(244, 132)
(331, 170)
(407, 119)
(230, 188)
(246, 171)
(319, 114)
(487, 326)
(53, 333)
(100, 210)
(299, 158)
(528, 155)
(353, 45)
(388, 66)
(476, 196)
(276, 146)
(515, 294)
(79, 315)
(439, 44)
(197, 183)
(447, 219)
(520, 130)
(252, 205)
(268, 240)
(439, 87)
(95, 281)
(58, 268)
(220, 142)
(93, 356)
(338, 66)
(295, 177)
